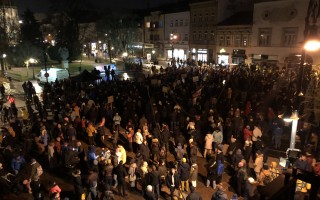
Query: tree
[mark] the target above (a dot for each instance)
(30, 29)
(72, 12)
(121, 27)
(31, 41)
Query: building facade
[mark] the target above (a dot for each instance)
(278, 31)
(176, 35)
(154, 34)
(202, 30)
(234, 39)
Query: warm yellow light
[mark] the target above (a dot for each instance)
(32, 60)
(125, 54)
(312, 45)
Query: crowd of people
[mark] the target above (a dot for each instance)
(145, 135)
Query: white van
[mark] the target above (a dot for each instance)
(54, 73)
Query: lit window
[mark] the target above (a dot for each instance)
(265, 37)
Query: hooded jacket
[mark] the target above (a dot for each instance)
(184, 171)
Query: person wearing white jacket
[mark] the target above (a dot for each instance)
(208, 145)
(138, 139)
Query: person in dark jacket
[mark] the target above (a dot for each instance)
(193, 194)
(172, 181)
(149, 195)
(77, 183)
(212, 173)
(193, 152)
(145, 151)
(107, 173)
(184, 172)
(121, 174)
(219, 194)
(155, 181)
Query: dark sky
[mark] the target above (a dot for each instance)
(43, 5)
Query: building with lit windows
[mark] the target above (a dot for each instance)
(154, 34)
(204, 18)
(202, 30)
(234, 38)
(278, 32)
(177, 34)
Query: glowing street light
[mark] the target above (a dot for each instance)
(294, 118)
(312, 45)
(125, 54)
(32, 61)
(172, 38)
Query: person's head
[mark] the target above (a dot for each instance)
(184, 160)
(251, 180)
(273, 164)
(258, 153)
(149, 188)
(173, 170)
(1, 166)
(78, 144)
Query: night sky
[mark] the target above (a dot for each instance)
(43, 5)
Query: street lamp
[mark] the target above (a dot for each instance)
(173, 37)
(32, 61)
(294, 118)
(4, 61)
(311, 40)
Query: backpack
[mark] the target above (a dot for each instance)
(39, 171)
(267, 179)
(220, 168)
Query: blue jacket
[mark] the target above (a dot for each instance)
(16, 164)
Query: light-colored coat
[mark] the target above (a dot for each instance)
(209, 139)
(258, 163)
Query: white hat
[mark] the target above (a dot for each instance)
(251, 180)
(149, 188)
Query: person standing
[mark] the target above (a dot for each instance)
(107, 172)
(193, 177)
(172, 181)
(91, 131)
(208, 145)
(54, 191)
(149, 195)
(155, 181)
(184, 172)
(132, 174)
(121, 174)
(77, 183)
(130, 138)
(116, 121)
(193, 153)
(193, 194)
(256, 135)
(138, 139)
(212, 173)
(258, 163)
